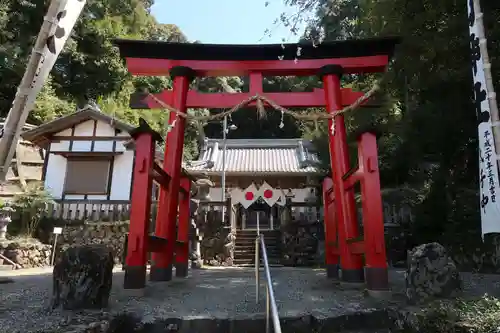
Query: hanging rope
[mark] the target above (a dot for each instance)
(261, 101)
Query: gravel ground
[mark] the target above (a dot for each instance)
(212, 293)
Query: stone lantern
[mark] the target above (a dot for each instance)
(203, 186)
(5, 219)
(286, 213)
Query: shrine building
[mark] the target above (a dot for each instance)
(262, 177)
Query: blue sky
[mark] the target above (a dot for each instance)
(225, 21)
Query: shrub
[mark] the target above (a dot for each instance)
(472, 316)
(29, 207)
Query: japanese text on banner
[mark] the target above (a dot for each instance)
(488, 171)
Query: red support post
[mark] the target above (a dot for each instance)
(373, 219)
(158, 259)
(161, 268)
(160, 225)
(351, 264)
(331, 255)
(137, 249)
(182, 247)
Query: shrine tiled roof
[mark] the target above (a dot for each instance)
(256, 156)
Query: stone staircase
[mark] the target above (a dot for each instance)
(244, 252)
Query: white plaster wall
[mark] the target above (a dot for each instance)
(60, 146)
(87, 129)
(122, 176)
(66, 132)
(84, 129)
(104, 129)
(119, 144)
(55, 174)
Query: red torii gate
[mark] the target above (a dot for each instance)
(140, 243)
(184, 62)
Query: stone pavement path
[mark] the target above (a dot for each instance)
(212, 293)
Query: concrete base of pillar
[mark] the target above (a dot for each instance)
(352, 275)
(135, 277)
(377, 279)
(181, 269)
(159, 274)
(332, 271)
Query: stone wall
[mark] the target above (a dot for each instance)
(471, 255)
(26, 253)
(111, 234)
(302, 244)
(217, 242)
(483, 258)
(218, 249)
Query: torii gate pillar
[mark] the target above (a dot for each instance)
(256, 61)
(345, 205)
(166, 218)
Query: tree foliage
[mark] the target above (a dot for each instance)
(430, 140)
(89, 66)
(431, 134)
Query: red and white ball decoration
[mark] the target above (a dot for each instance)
(251, 194)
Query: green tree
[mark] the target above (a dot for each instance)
(432, 145)
(89, 65)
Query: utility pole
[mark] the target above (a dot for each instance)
(223, 182)
(227, 88)
(43, 57)
(225, 130)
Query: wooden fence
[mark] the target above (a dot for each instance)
(395, 214)
(211, 211)
(92, 210)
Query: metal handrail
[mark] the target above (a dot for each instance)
(13, 264)
(271, 307)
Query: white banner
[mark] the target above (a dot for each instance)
(64, 21)
(252, 193)
(489, 188)
(67, 17)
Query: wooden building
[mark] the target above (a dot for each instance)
(86, 157)
(286, 167)
(88, 164)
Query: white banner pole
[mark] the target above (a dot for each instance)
(57, 26)
(487, 122)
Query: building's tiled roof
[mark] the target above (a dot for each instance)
(62, 123)
(250, 156)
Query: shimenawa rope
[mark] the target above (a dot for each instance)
(261, 100)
